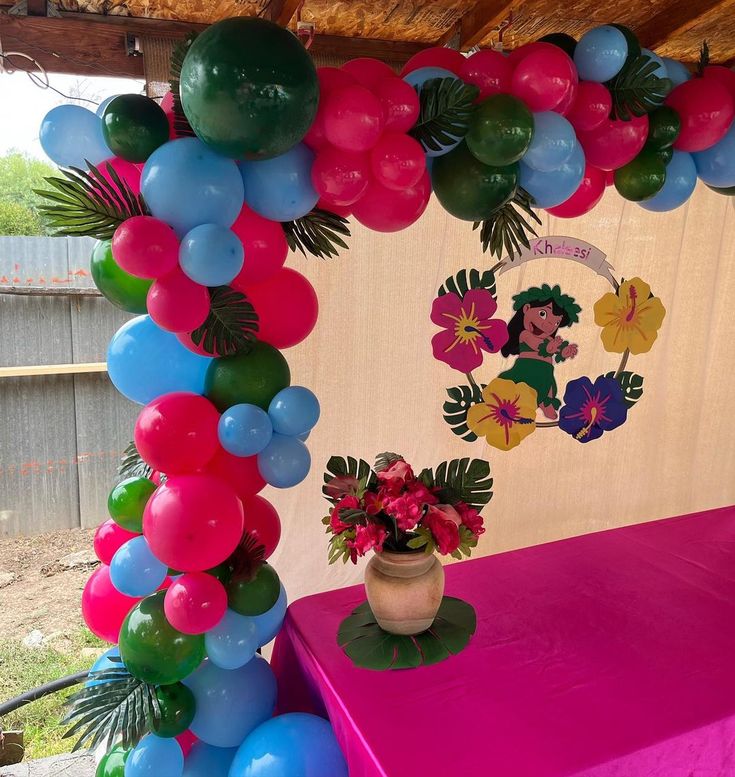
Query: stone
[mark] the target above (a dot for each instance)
(6, 578)
(82, 559)
(34, 639)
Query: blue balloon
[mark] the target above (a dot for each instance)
(550, 189)
(187, 184)
(71, 136)
(552, 143)
(716, 165)
(303, 437)
(676, 72)
(293, 745)
(600, 53)
(681, 178)
(230, 704)
(135, 571)
(104, 664)
(285, 462)
(233, 641)
(280, 189)
(144, 362)
(154, 757)
(269, 623)
(417, 78)
(244, 430)
(294, 411)
(207, 761)
(211, 255)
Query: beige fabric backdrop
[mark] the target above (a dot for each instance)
(370, 362)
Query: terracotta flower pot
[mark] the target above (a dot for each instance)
(404, 590)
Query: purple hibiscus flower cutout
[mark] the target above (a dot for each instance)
(592, 408)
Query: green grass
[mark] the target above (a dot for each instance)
(22, 669)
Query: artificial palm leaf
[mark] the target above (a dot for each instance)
(461, 480)
(231, 325)
(384, 460)
(317, 233)
(636, 90)
(463, 281)
(506, 230)
(461, 399)
(247, 558)
(447, 104)
(345, 477)
(87, 204)
(703, 58)
(181, 123)
(132, 465)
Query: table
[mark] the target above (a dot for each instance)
(606, 655)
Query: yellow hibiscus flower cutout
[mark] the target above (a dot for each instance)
(629, 319)
(506, 415)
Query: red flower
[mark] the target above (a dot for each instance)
(406, 509)
(443, 523)
(421, 493)
(396, 475)
(373, 503)
(346, 503)
(470, 518)
(367, 537)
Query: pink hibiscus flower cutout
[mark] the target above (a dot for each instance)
(469, 329)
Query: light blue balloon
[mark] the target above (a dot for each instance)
(207, 761)
(294, 411)
(681, 179)
(600, 53)
(101, 107)
(244, 430)
(211, 255)
(550, 189)
(230, 704)
(104, 664)
(303, 437)
(716, 165)
(144, 361)
(285, 462)
(233, 641)
(676, 72)
(660, 71)
(186, 184)
(135, 571)
(280, 189)
(269, 623)
(71, 136)
(154, 757)
(293, 745)
(552, 143)
(418, 78)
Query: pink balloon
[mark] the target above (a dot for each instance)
(332, 77)
(566, 104)
(104, 608)
(591, 106)
(195, 602)
(614, 143)
(544, 77)
(436, 56)
(108, 538)
(186, 741)
(488, 70)
(398, 161)
(146, 247)
(609, 177)
(127, 171)
(353, 118)
(400, 103)
(177, 303)
(193, 522)
(341, 210)
(724, 75)
(262, 521)
(515, 56)
(368, 71)
(340, 177)
(177, 433)
(265, 246)
(386, 210)
(185, 339)
(167, 106)
(315, 138)
(706, 109)
(588, 194)
(240, 473)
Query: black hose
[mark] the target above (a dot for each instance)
(43, 690)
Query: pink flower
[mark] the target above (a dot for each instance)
(468, 329)
(346, 503)
(373, 503)
(471, 519)
(405, 509)
(443, 522)
(421, 493)
(367, 537)
(396, 475)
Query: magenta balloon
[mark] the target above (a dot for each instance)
(146, 247)
(398, 161)
(516, 55)
(353, 118)
(340, 177)
(109, 538)
(706, 109)
(193, 522)
(386, 210)
(367, 71)
(177, 303)
(332, 77)
(591, 106)
(127, 171)
(265, 244)
(400, 103)
(195, 602)
(104, 608)
(489, 71)
(436, 56)
(566, 104)
(544, 77)
(588, 194)
(614, 143)
(723, 74)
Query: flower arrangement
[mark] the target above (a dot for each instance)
(388, 507)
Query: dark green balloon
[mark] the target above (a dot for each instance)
(642, 178)
(223, 572)
(665, 154)
(634, 47)
(664, 126)
(153, 650)
(178, 707)
(124, 290)
(467, 188)
(249, 88)
(250, 378)
(113, 763)
(256, 596)
(500, 130)
(728, 191)
(127, 501)
(562, 41)
(134, 126)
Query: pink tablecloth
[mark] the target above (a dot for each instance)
(607, 655)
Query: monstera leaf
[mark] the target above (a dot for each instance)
(461, 480)
(631, 384)
(461, 398)
(636, 90)
(447, 105)
(132, 465)
(463, 281)
(345, 477)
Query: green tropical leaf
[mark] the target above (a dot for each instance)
(461, 398)
(506, 230)
(636, 90)
(631, 384)
(345, 477)
(703, 58)
(317, 233)
(463, 281)
(447, 105)
(462, 480)
(132, 465)
(231, 325)
(180, 50)
(384, 460)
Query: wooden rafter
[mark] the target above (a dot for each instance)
(482, 18)
(282, 11)
(678, 19)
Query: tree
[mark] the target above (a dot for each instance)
(17, 219)
(19, 176)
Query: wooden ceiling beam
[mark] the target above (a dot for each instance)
(481, 19)
(282, 11)
(678, 19)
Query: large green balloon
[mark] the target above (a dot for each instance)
(249, 88)
(467, 188)
(642, 178)
(665, 154)
(134, 126)
(252, 378)
(178, 707)
(127, 500)
(125, 291)
(113, 763)
(153, 650)
(256, 596)
(664, 125)
(500, 130)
